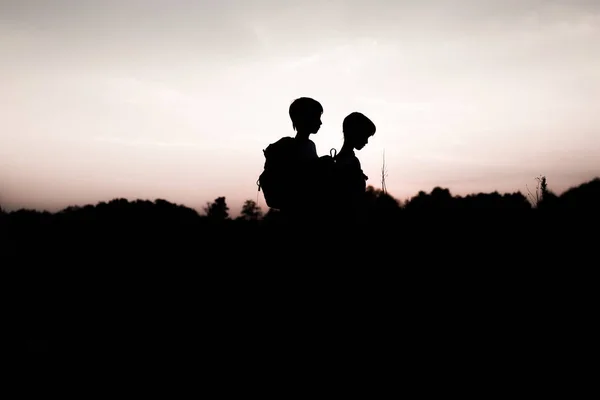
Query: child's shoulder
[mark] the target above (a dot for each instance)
(347, 160)
(306, 149)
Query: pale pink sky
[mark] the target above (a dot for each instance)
(176, 99)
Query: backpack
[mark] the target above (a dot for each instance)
(276, 180)
(281, 181)
(325, 174)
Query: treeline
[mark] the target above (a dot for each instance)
(380, 206)
(437, 217)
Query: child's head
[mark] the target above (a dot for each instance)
(306, 115)
(357, 130)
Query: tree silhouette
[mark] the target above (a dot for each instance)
(583, 198)
(541, 190)
(251, 211)
(543, 198)
(381, 206)
(384, 174)
(218, 210)
(439, 199)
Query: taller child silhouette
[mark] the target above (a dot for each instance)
(294, 161)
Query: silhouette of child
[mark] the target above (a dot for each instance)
(350, 181)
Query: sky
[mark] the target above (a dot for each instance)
(175, 99)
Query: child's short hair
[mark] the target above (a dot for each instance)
(304, 108)
(358, 123)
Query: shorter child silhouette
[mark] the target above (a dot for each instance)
(349, 179)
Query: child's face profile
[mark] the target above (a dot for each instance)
(313, 123)
(361, 141)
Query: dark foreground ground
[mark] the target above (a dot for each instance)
(430, 286)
